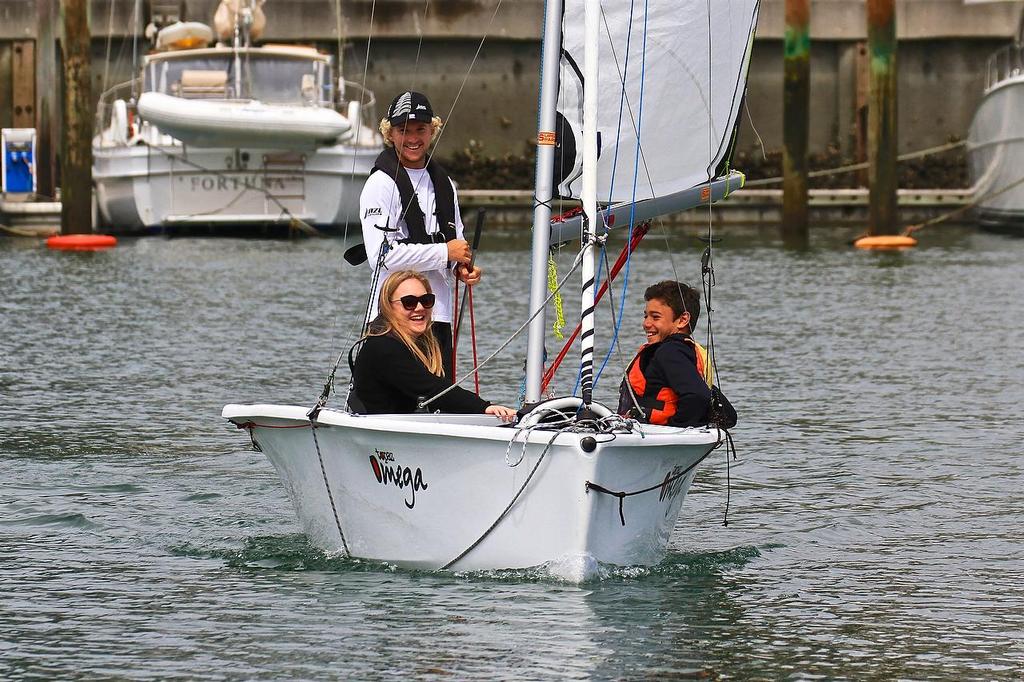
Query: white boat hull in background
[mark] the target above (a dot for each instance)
(164, 187)
(420, 490)
(995, 151)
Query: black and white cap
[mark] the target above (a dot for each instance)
(410, 106)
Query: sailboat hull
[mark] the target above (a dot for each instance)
(449, 491)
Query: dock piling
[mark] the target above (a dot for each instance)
(796, 117)
(46, 104)
(76, 133)
(882, 139)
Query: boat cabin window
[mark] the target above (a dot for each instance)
(272, 79)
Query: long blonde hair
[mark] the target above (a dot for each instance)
(426, 348)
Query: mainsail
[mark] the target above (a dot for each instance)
(678, 68)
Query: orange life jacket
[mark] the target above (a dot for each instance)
(662, 407)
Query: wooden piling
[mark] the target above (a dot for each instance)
(76, 137)
(46, 102)
(796, 100)
(882, 139)
(23, 84)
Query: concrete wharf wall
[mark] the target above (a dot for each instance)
(943, 49)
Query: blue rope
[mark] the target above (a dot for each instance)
(632, 208)
(622, 100)
(615, 155)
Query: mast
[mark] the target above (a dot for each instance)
(551, 52)
(588, 195)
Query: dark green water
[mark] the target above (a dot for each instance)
(875, 515)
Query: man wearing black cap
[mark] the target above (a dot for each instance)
(410, 213)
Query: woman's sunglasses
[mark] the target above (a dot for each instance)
(409, 302)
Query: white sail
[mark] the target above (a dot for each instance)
(692, 71)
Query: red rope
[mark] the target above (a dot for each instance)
(455, 332)
(472, 336)
(638, 233)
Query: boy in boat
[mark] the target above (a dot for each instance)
(410, 215)
(670, 380)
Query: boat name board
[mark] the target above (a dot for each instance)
(395, 474)
(289, 184)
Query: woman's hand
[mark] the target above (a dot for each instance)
(507, 414)
(470, 277)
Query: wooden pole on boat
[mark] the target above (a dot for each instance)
(796, 100)
(46, 101)
(882, 179)
(76, 133)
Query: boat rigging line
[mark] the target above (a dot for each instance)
(629, 247)
(707, 279)
(481, 213)
(327, 485)
(566, 423)
(963, 209)
(430, 154)
(669, 480)
(507, 509)
(637, 125)
(540, 309)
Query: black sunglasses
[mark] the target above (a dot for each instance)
(409, 302)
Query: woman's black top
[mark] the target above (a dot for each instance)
(389, 379)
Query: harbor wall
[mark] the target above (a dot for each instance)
(944, 45)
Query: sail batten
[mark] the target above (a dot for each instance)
(691, 68)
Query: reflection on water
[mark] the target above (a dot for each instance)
(873, 524)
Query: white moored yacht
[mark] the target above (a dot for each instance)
(995, 141)
(232, 135)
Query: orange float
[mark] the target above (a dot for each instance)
(81, 242)
(885, 241)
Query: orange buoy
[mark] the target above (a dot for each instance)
(885, 241)
(81, 242)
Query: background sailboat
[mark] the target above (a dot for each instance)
(466, 493)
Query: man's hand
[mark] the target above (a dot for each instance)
(470, 277)
(459, 251)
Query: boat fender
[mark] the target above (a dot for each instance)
(119, 132)
(353, 112)
(885, 241)
(558, 408)
(81, 242)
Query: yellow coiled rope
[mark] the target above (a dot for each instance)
(559, 324)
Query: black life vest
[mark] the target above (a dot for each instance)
(444, 199)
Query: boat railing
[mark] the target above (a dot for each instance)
(122, 91)
(1007, 62)
(359, 104)
(115, 112)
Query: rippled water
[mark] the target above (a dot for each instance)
(874, 519)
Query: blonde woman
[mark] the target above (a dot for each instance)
(400, 361)
(409, 210)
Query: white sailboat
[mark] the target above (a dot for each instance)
(232, 135)
(570, 486)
